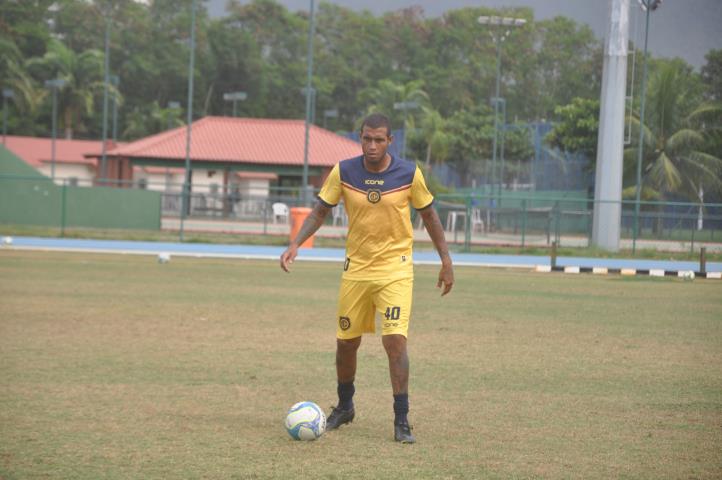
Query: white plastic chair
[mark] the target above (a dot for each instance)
(476, 220)
(280, 212)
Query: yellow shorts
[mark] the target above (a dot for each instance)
(358, 302)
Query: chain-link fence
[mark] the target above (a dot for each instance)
(520, 219)
(538, 219)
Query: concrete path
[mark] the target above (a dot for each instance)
(202, 250)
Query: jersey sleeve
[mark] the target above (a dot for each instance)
(420, 195)
(330, 193)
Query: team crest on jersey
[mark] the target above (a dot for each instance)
(344, 323)
(373, 195)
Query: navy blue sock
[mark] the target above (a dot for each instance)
(401, 408)
(345, 395)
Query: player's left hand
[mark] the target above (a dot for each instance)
(446, 279)
(288, 256)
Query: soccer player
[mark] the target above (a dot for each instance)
(377, 190)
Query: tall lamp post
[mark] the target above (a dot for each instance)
(496, 101)
(54, 85)
(7, 93)
(309, 95)
(106, 83)
(647, 6)
(191, 68)
(405, 106)
(115, 81)
(501, 28)
(313, 103)
(234, 97)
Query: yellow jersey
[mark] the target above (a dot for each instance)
(380, 236)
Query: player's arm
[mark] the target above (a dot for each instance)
(312, 223)
(436, 232)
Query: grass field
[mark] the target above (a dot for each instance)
(115, 366)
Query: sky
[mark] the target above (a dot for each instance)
(679, 28)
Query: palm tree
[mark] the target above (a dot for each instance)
(674, 161)
(83, 74)
(386, 93)
(437, 141)
(12, 75)
(151, 119)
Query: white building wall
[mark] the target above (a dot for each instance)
(70, 172)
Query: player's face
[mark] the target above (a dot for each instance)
(374, 143)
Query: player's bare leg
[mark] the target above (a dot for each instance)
(395, 346)
(346, 359)
(346, 373)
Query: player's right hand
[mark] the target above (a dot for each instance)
(288, 257)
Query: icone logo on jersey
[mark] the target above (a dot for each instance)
(373, 182)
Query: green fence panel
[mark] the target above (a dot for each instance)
(106, 207)
(27, 201)
(29, 198)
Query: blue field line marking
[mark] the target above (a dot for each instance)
(337, 254)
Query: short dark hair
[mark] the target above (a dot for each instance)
(377, 120)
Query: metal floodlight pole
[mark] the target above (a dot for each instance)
(191, 67)
(106, 81)
(309, 94)
(647, 5)
(496, 109)
(498, 37)
(54, 85)
(501, 149)
(115, 81)
(7, 93)
(234, 97)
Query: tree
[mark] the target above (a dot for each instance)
(386, 93)
(83, 74)
(144, 121)
(674, 161)
(470, 135)
(437, 141)
(712, 75)
(12, 75)
(564, 61)
(576, 128)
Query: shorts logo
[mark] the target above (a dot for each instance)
(344, 323)
(373, 195)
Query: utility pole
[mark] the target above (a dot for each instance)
(608, 180)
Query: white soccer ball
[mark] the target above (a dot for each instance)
(305, 421)
(163, 257)
(688, 275)
(7, 240)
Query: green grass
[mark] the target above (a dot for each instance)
(232, 238)
(115, 366)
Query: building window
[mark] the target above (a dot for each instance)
(143, 183)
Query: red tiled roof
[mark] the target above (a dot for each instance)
(37, 151)
(245, 140)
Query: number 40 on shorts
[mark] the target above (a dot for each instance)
(392, 313)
